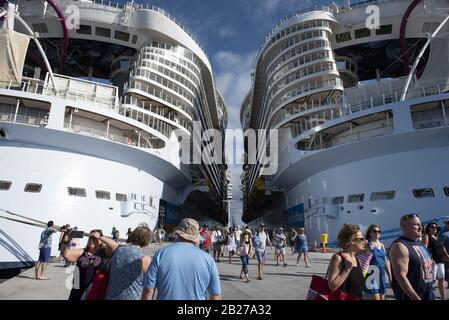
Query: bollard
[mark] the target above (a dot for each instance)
(323, 247)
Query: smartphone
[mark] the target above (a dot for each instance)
(77, 234)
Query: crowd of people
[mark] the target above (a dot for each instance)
(362, 267)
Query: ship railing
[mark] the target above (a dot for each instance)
(316, 142)
(38, 86)
(157, 109)
(330, 9)
(150, 121)
(134, 138)
(137, 6)
(298, 92)
(291, 111)
(29, 120)
(431, 123)
(383, 99)
(368, 102)
(159, 93)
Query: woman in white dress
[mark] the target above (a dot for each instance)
(231, 243)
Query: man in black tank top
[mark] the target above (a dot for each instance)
(412, 266)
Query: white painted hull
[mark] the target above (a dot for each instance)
(400, 172)
(56, 171)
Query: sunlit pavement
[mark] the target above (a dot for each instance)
(278, 283)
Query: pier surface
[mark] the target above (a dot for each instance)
(279, 283)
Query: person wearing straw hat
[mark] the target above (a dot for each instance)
(181, 271)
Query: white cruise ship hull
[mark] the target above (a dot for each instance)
(102, 154)
(56, 171)
(401, 163)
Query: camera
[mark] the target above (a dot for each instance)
(77, 234)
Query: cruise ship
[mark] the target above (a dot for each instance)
(362, 110)
(89, 131)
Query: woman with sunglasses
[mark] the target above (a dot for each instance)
(439, 255)
(344, 270)
(376, 284)
(88, 260)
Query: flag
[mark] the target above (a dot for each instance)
(364, 261)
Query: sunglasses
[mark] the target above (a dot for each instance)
(359, 239)
(433, 227)
(409, 217)
(377, 231)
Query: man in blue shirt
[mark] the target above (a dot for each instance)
(44, 251)
(181, 271)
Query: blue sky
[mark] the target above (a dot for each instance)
(231, 32)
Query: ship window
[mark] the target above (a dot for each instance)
(119, 35)
(362, 33)
(40, 27)
(134, 39)
(446, 191)
(338, 200)
(103, 32)
(385, 29)
(121, 197)
(83, 29)
(33, 187)
(383, 195)
(5, 185)
(423, 193)
(356, 197)
(77, 192)
(342, 37)
(103, 195)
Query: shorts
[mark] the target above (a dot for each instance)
(438, 271)
(44, 255)
(280, 251)
(260, 256)
(302, 249)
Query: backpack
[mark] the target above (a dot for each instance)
(205, 240)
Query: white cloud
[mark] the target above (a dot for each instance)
(227, 31)
(233, 79)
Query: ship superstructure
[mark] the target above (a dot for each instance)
(356, 143)
(96, 145)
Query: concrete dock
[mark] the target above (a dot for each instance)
(279, 283)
